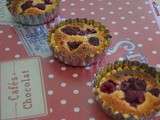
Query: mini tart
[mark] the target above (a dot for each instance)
(128, 90)
(33, 12)
(79, 42)
(33, 7)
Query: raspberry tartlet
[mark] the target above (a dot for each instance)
(79, 42)
(128, 90)
(33, 12)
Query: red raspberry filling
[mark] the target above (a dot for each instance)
(48, 1)
(133, 84)
(155, 92)
(90, 31)
(76, 31)
(27, 5)
(71, 30)
(134, 91)
(134, 97)
(108, 87)
(93, 41)
(74, 45)
(40, 6)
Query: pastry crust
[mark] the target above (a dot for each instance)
(120, 72)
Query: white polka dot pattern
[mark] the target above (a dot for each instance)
(50, 76)
(63, 84)
(92, 118)
(1, 31)
(17, 56)
(63, 68)
(74, 75)
(68, 90)
(76, 109)
(7, 49)
(63, 102)
(50, 92)
(10, 36)
(19, 43)
(75, 92)
(90, 101)
(51, 110)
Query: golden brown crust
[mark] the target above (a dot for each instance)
(122, 71)
(151, 103)
(117, 104)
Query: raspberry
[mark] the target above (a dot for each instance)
(94, 41)
(90, 31)
(41, 6)
(134, 97)
(81, 33)
(73, 45)
(134, 91)
(125, 85)
(48, 1)
(71, 30)
(155, 92)
(109, 36)
(27, 5)
(133, 84)
(140, 85)
(108, 87)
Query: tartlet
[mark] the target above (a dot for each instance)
(128, 90)
(33, 12)
(79, 42)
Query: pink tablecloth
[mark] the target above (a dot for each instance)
(135, 36)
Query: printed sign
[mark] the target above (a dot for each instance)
(3, 2)
(35, 39)
(129, 46)
(22, 93)
(5, 16)
(155, 5)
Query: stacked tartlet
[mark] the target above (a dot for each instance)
(33, 12)
(128, 90)
(79, 42)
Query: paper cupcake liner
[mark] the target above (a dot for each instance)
(35, 19)
(119, 66)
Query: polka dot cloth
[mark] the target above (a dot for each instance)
(68, 90)
(10, 47)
